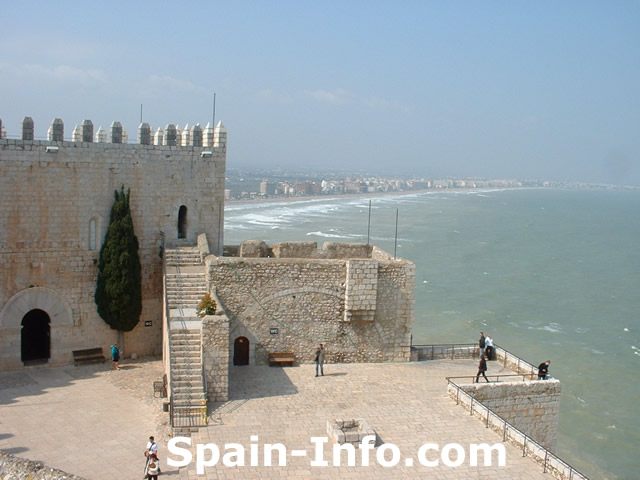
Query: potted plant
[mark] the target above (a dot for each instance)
(207, 306)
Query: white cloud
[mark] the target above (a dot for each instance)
(383, 104)
(163, 83)
(62, 73)
(339, 96)
(270, 96)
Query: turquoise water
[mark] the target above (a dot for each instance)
(550, 274)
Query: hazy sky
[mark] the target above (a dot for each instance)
(536, 89)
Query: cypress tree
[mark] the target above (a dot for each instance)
(119, 287)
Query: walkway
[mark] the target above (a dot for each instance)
(94, 422)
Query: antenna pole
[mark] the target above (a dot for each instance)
(369, 223)
(214, 110)
(140, 113)
(395, 247)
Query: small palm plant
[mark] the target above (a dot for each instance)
(207, 306)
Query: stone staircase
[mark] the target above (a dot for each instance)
(185, 287)
(186, 283)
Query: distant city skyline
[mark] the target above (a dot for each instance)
(441, 89)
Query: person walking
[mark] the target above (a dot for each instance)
(151, 452)
(320, 353)
(543, 370)
(115, 355)
(152, 471)
(482, 368)
(481, 344)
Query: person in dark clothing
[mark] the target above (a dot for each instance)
(481, 343)
(482, 368)
(543, 370)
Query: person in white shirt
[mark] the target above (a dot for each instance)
(488, 350)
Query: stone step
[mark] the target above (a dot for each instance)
(193, 288)
(178, 293)
(185, 347)
(193, 381)
(184, 340)
(183, 371)
(194, 399)
(184, 387)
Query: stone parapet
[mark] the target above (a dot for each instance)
(533, 407)
(293, 304)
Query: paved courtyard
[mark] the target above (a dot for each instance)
(94, 422)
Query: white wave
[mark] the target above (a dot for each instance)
(625, 329)
(582, 330)
(331, 235)
(582, 401)
(552, 327)
(612, 427)
(597, 352)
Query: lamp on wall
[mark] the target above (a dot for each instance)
(206, 154)
(52, 149)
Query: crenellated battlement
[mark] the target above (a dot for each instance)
(171, 135)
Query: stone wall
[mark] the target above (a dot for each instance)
(57, 198)
(14, 468)
(215, 345)
(533, 407)
(288, 304)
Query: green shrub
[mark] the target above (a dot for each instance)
(207, 306)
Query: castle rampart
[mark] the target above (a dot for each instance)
(57, 195)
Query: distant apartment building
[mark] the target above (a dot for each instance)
(267, 188)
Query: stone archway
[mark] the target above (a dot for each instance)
(42, 298)
(35, 337)
(50, 328)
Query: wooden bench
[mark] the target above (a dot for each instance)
(280, 358)
(88, 355)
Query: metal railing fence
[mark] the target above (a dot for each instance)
(549, 461)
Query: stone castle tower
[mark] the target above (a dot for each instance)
(56, 197)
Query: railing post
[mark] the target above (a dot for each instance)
(524, 446)
(488, 412)
(546, 454)
(471, 410)
(504, 432)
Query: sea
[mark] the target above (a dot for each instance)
(550, 274)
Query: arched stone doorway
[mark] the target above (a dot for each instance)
(241, 351)
(182, 222)
(35, 341)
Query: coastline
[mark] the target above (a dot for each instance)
(310, 198)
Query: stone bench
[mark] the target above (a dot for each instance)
(280, 358)
(88, 355)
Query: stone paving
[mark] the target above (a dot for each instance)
(93, 422)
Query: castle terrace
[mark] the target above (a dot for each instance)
(74, 418)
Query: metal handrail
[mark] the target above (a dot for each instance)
(548, 455)
(446, 346)
(498, 377)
